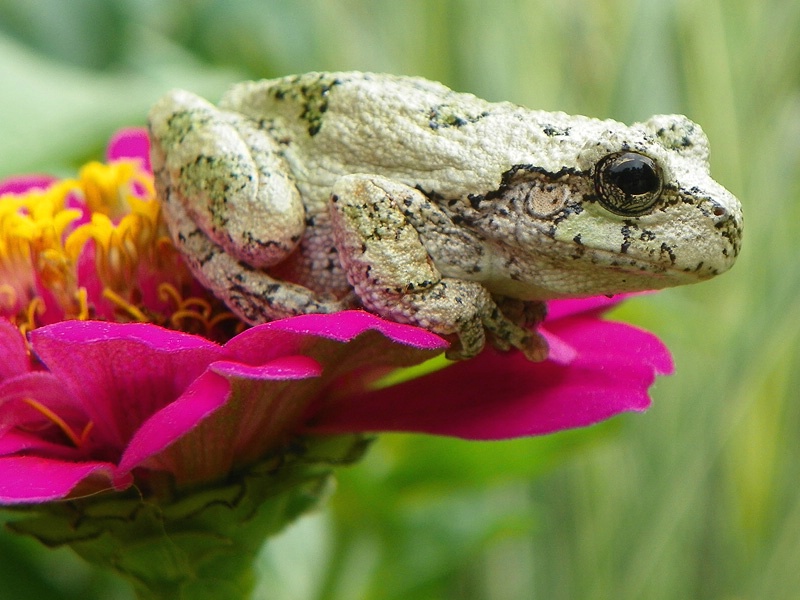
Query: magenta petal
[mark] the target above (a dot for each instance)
(131, 142)
(595, 305)
(513, 398)
(560, 351)
(30, 479)
(558, 309)
(12, 350)
(122, 373)
(288, 336)
(289, 367)
(15, 442)
(201, 399)
(614, 344)
(45, 389)
(346, 325)
(25, 183)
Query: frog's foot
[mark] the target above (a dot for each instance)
(253, 295)
(504, 334)
(525, 313)
(461, 311)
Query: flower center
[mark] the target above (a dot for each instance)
(95, 247)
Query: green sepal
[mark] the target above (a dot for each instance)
(200, 543)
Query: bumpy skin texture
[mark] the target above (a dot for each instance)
(325, 191)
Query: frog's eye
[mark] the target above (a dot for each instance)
(627, 183)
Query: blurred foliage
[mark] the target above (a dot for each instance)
(695, 499)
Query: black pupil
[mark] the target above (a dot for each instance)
(634, 175)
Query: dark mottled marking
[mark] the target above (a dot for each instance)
(627, 232)
(312, 97)
(552, 131)
(516, 172)
(443, 116)
(667, 249)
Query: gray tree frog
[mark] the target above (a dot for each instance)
(326, 191)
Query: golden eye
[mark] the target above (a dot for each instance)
(628, 183)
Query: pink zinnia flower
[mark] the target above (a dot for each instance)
(120, 370)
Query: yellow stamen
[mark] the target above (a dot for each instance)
(83, 303)
(203, 305)
(124, 305)
(59, 422)
(225, 316)
(44, 240)
(35, 307)
(167, 291)
(194, 309)
(180, 315)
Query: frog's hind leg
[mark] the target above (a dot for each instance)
(252, 294)
(230, 177)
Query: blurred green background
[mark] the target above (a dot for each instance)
(699, 497)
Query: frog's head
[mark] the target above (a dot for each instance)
(640, 211)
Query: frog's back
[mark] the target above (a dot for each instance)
(406, 128)
(312, 101)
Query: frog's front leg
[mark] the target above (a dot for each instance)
(393, 275)
(229, 176)
(251, 293)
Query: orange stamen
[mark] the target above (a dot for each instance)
(86, 431)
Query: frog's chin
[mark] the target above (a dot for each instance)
(595, 279)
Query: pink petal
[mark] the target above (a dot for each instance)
(30, 479)
(492, 397)
(500, 396)
(560, 352)
(20, 184)
(206, 394)
(122, 373)
(12, 350)
(16, 442)
(291, 336)
(131, 142)
(45, 389)
(611, 343)
(212, 452)
(289, 367)
(595, 305)
(346, 325)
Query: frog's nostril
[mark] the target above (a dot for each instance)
(719, 211)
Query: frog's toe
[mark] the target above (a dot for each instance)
(535, 347)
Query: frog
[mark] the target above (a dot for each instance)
(331, 191)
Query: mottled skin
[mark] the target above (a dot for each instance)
(326, 191)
